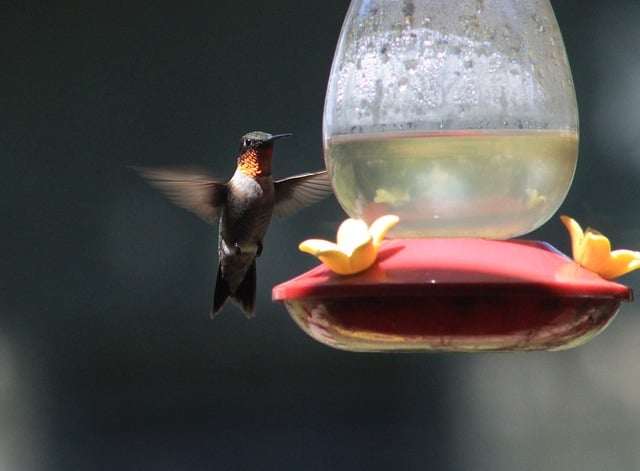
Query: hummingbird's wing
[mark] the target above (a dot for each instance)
(296, 192)
(193, 189)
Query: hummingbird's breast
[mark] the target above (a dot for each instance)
(247, 214)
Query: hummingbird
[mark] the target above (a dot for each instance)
(242, 207)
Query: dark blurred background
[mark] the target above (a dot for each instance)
(108, 358)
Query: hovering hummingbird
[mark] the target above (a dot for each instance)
(243, 207)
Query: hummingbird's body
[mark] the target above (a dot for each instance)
(243, 208)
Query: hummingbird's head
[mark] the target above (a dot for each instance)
(256, 150)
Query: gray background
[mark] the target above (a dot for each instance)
(108, 359)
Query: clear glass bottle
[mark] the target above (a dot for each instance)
(458, 116)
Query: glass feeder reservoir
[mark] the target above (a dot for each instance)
(458, 117)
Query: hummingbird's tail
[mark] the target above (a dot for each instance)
(244, 296)
(220, 293)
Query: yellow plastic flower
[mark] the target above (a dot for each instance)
(357, 246)
(592, 251)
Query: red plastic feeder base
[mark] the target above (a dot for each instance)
(455, 295)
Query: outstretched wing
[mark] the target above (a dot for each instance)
(190, 188)
(296, 192)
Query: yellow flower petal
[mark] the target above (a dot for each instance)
(317, 246)
(623, 262)
(362, 258)
(352, 233)
(592, 251)
(576, 234)
(381, 226)
(338, 262)
(596, 252)
(328, 253)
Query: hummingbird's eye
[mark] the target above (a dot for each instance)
(248, 142)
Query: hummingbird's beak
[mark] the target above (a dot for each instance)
(279, 136)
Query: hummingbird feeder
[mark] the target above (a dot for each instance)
(459, 118)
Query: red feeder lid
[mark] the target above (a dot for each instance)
(455, 295)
